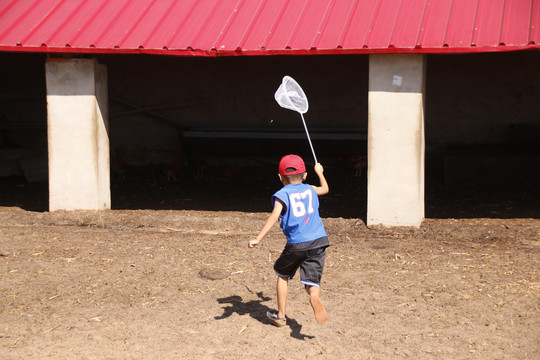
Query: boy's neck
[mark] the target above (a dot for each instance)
(294, 182)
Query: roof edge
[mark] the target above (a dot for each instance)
(238, 52)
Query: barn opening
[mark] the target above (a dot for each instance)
(206, 133)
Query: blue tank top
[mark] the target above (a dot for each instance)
(301, 221)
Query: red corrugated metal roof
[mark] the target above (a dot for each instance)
(268, 27)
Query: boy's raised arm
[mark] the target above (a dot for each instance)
(323, 189)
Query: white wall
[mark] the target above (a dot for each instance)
(396, 140)
(77, 135)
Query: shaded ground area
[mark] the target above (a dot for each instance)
(183, 284)
(240, 187)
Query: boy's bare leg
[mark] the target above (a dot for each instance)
(313, 290)
(320, 312)
(282, 288)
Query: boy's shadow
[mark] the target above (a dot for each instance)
(257, 310)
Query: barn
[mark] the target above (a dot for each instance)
(97, 95)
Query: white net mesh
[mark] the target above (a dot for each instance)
(290, 96)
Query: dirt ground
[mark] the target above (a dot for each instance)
(179, 282)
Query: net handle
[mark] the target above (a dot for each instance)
(309, 139)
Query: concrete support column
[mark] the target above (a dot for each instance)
(78, 140)
(396, 140)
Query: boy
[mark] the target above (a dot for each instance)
(296, 205)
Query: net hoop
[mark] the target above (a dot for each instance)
(290, 96)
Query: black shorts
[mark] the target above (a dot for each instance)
(310, 262)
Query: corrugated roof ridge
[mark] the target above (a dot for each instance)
(535, 16)
(296, 26)
(106, 29)
(159, 22)
(482, 21)
(530, 22)
(204, 25)
(228, 24)
(275, 24)
(65, 22)
(391, 39)
(124, 38)
(41, 22)
(347, 24)
(374, 15)
(323, 23)
(444, 39)
(89, 19)
(256, 17)
(182, 23)
(6, 9)
(475, 24)
(504, 12)
(421, 30)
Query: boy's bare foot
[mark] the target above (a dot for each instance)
(320, 313)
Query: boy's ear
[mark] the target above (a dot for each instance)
(305, 176)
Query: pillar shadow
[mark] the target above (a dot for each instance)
(257, 310)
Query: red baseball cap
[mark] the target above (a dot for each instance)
(292, 161)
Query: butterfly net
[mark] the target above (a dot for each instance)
(290, 96)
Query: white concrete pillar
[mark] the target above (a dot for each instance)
(396, 140)
(78, 141)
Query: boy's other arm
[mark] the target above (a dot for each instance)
(323, 189)
(274, 216)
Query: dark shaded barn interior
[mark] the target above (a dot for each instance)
(206, 133)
